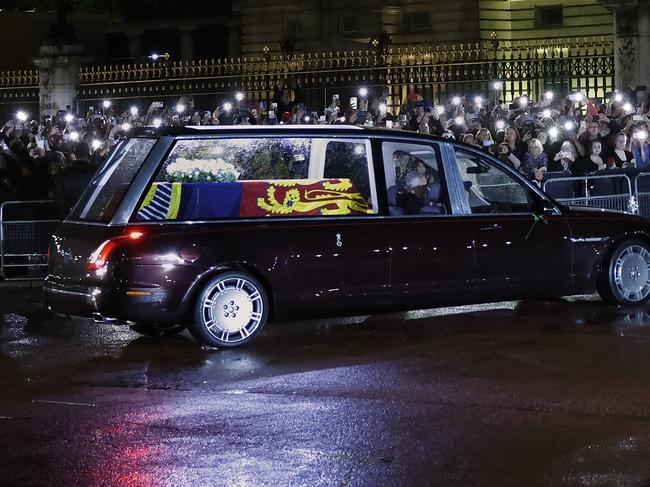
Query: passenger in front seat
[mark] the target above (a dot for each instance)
(414, 194)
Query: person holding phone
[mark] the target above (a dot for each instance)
(641, 148)
(564, 160)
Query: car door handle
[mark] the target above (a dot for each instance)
(496, 226)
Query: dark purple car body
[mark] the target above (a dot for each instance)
(337, 265)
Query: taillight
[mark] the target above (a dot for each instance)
(99, 258)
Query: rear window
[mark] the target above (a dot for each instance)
(103, 196)
(262, 177)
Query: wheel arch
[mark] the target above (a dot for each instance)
(609, 250)
(190, 297)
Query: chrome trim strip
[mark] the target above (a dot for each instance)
(588, 239)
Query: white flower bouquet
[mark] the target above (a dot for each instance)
(201, 171)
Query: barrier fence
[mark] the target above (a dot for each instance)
(25, 231)
(26, 226)
(613, 191)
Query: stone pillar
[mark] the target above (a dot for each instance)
(58, 69)
(631, 42)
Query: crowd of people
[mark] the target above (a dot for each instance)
(55, 157)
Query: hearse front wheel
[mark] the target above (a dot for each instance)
(230, 311)
(626, 278)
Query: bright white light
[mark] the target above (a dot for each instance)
(500, 125)
(306, 118)
(134, 111)
(578, 97)
(157, 122)
(641, 134)
(363, 91)
(549, 95)
(478, 100)
(523, 101)
(553, 132)
(22, 116)
(180, 108)
(459, 120)
(96, 144)
(239, 96)
(440, 110)
(106, 103)
(568, 125)
(359, 149)
(74, 136)
(126, 126)
(546, 114)
(627, 107)
(497, 85)
(227, 106)
(618, 97)
(68, 117)
(155, 56)
(382, 107)
(456, 100)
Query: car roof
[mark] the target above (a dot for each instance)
(352, 130)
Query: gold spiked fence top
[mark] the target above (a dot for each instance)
(396, 56)
(393, 57)
(19, 78)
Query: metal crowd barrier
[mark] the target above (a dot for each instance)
(610, 191)
(25, 231)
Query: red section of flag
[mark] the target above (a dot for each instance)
(301, 197)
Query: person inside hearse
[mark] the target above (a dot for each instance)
(413, 194)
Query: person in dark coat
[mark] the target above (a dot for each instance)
(71, 182)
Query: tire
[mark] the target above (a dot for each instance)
(230, 311)
(625, 279)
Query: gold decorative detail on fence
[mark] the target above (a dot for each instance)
(27, 78)
(397, 57)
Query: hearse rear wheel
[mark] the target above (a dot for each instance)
(626, 278)
(230, 311)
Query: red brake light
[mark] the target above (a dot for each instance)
(99, 258)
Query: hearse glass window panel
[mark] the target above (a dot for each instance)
(103, 196)
(349, 159)
(413, 179)
(489, 189)
(230, 178)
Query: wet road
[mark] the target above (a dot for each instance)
(534, 393)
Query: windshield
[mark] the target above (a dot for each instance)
(103, 196)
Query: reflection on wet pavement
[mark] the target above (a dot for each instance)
(514, 393)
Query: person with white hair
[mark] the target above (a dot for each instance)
(535, 161)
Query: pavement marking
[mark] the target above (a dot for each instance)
(67, 403)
